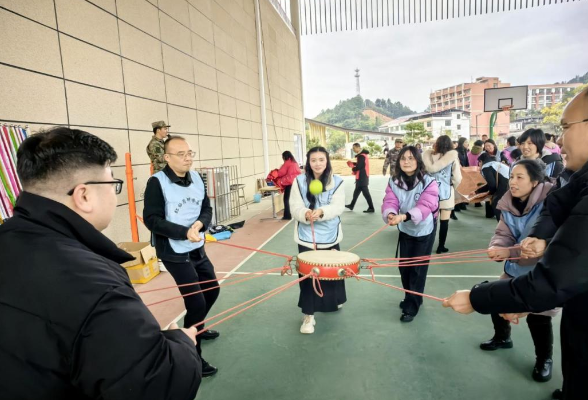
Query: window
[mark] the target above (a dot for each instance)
(458, 116)
(495, 85)
(459, 127)
(447, 122)
(428, 124)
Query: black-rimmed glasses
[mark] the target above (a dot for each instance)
(566, 125)
(117, 182)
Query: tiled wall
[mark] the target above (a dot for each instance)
(112, 67)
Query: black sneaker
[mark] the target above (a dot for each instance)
(369, 210)
(349, 206)
(401, 303)
(557, 394)
(442, 250)
(495, 344)
(542, 370)
(406, 317)
(207, 369)
(209, 335)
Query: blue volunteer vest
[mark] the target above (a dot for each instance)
(502, 169)
(408, 200)
(549, 169)
(520, 228)
(443, 179)
(325, 232)
(182, 207)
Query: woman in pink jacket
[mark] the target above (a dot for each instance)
(412, 203)
(520, 208)
(286, 175)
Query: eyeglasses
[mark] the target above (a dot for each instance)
(117, 182)
(183, 154)
(566, 125)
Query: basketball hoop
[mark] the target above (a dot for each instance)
(506, 108)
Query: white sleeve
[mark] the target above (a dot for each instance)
(337, 205)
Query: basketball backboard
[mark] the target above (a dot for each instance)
(496, 99)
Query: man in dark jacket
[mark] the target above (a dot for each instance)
(361, 168)
(178, 212)
(561, 276)
(72, 325)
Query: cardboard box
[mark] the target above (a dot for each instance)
(145, 265)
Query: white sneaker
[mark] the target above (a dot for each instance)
(340, 306)
(161, 266)
(308, 324)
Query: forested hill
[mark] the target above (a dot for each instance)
(349, 113)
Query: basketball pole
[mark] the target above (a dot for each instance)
(493, 119)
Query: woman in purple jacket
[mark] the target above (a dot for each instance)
(412, 204)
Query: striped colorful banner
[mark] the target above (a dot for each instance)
(11, 136)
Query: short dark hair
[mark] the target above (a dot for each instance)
(512, 141)
(60, 151)
(485, 158)
(479, 143)
(535, 169)
(443, 144)
(288, 156)
(155, 130)
(171, 139)
(537, 137)
(516, 153)
(356, 145)
(549, 136)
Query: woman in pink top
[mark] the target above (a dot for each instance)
(551, 145)
(286, 175)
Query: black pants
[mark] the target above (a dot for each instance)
(287, 190)
(197, 269)
(414, 278)
(540, 328)
(366, 193)
(333, 292)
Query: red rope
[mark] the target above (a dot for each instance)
(426, 262)
(370, 236)
(253, 249)
(312, 230)
(315, 282)
(267, 295)
(401, 289)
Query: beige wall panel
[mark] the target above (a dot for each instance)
(140, 14)
(177, 64)
(244, 128)
(178, 9)
(247, 167)
(143, 81)
(42, 11)
(204, 75)
(108, 5)
(138, 143)
(241, 72)
(119, 229)
(210, 148)
(117, 138)
(89, 23)
(88, 64)
(241, 91)
(206, 100)
(142, 112)
(249, 7)
(211, 163)
(227, 105)
(258, 163)
(255, 113)
(180, 92)
(243, 110)
(254, 79)
(222, 40)
(175, 34)
(226, 84)
(256, 132)
(29, 45)
(246, 147)
(257, 148)
(182, 120)
(250, 187)
(44, 100)
(204, 6)
(95, 107)
(141, 173)
(201, 25)
(203, 50)
(208, 124)
(254, 96)
(221, 17)
(192, 140)
(229, 126)
(144, 233)
(251, 45)
(224, 62)
(238, 33)
(139, 46)
(230, 148)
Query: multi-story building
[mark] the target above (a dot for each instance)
(540, 96)
(454, 123)
(470, 97)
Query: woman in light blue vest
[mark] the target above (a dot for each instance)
(412, 203)
(324, 210)
(520, 208)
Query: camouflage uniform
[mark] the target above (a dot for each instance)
(155, 151)
(390, 160)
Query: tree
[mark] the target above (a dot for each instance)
(373, 148)
(416, 133)
(312, 142)
(552, 114)
(335, 141)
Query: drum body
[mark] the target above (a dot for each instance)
(328, 264)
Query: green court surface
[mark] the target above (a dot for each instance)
(363, 351)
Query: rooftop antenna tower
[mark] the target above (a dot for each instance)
(357, 82)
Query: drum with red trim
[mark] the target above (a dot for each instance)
(328, 264)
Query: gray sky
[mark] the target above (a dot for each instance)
(546, 44)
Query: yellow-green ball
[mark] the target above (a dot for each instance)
(315, 187)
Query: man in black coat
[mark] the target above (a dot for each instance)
(361, 169)
(71, 324)
(561, 276)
